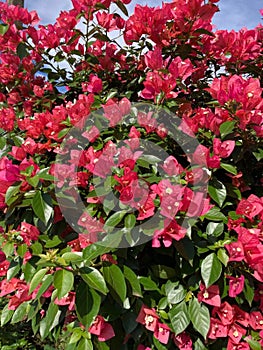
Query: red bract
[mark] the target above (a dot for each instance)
(171, 231)
(256, 320)
(209, 295)
(102, 329)
(236, 285)
(250, 207)
(183, 341)
(236, 251)
(162, 333)
(148, 318)
(217, 329)
(28, 232)
(2, 257)
(223, 149)
(94, 85)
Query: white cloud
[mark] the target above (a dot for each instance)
(48, 10)
(236, 14)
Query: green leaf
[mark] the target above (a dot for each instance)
(130, 221)
(122, 7)
(63, 282)
(44, 174)
(132, 278)
(200, 316)
(198, 345)
(87, 304)
(258, 154)
(254, 344)
(6, 315)
(94, 279)
(179, 317)
(217, 191)
(116, 281)
(14, 268)
(54, 242)
(94, 250)
(3, 28)
(215, 214)
(211, 269)
(42, 206)
(248, 292)
(162, 271)
(37, 279)
(21, 50)
(222, 256)
(114, 219)
(158, 345)
(46, 323)
(47, 281)
(228, 167)
(175, 293)
(85, 344)
(12, 194)
(21, 250)
(185, 248)
(204, 31)
(20, 313)
(147, 283)
(71, 257)
(214, 229)
(226, 128)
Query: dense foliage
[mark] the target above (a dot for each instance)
(130, 179)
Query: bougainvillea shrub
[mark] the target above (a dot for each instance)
(130, 177)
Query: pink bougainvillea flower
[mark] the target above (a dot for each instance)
(142, 347)
(2, 257)
(209, 295)
(217, 329)
(162, 333)
(94, 85)
(147, 209)
(236, 332)
(67, 300)
(148, 317)
(21, 295)
(4, 268)
(92, 225)
(171, 166)
(225, 312)
(241, 316)
(236, 285)
(171, 231)
(92, 134)
(29, 146)
(235, 251)
(202, 157)
(102, 329)
(250, 207)
(147, 121)
(29, 232)
(256, 320)
(153, 59)
(9, 173)
(106, 20)
(231, 345)
(223, 149)
(183, 341)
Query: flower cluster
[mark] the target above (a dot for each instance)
(131, 199)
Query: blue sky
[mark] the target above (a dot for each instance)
(234, 14)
